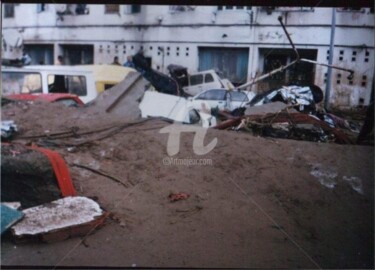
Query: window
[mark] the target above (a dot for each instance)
(78, 54)
(132, 9)
(208, 78)
(295, 9)
(300, 73)
(21, 83)
(367, 54)
(213, 95)
(216, 94)
(234, 8)
(110, 9)
(196, 79)
(202, 96)
(194, 117)
(71, 84)
(40, 8)
(341, 55)
(8, 10)
(108, 86)
(135, 8)
(82, 9)
(238, 96)
(174, 9)
(351, 9)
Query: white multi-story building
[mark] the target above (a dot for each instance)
(240, 41)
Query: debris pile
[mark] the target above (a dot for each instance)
(296, 126)
(301, 98)
(59, 220)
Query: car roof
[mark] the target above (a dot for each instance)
(203, 72)
(50, 68)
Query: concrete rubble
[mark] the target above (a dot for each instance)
(59, 220)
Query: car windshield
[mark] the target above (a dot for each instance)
(239, 96)
(220, 74)
(217, 94)
(21, 83)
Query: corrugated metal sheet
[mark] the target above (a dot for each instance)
(232, 62)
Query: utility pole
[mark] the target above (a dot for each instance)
(330, 61)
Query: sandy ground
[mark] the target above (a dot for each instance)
(262, 203)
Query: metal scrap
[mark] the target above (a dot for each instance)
(8, 129)
(298, 126)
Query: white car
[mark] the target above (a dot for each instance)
(222, 99)
(175, 108)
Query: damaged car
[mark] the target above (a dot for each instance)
(302, 98)
(222, 99)
(174, 108)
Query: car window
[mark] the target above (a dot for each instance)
(108, 86)
(208, 78)
(196, 79)
(202, 96)
(21, 83)
(215, 94)
(239, 96)
(194, 117)
(72, 84)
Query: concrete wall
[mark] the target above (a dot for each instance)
(123, 34)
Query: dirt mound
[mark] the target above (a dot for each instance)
(253, 202)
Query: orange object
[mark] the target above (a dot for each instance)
(61, 171)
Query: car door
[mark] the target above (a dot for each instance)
(237, 99)
(210, 82)
(211, 98)
(195, 85)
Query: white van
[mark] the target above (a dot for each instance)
(49, 79)
(206, 80)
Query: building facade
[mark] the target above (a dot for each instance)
(241, 41)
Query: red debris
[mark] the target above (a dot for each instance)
(61, 171)
(173, 197)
